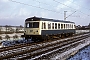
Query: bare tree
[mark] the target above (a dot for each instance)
(6, 27)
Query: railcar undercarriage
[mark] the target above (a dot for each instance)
(47, 37)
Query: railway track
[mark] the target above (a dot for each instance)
(40, 51)
(22, 45)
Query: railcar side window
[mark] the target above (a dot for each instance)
(68, 26)
(49, 25)
(52, 25)
(58, 26)
(64, 26)
(44, 25)
(61, 26)
(72, 26)
(55, 25)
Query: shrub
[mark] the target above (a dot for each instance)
(0, 37)
(7, 37)
(19, 32)
(8, 32)
(15, 36)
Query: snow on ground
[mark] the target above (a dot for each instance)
(84, 54)
(62, 56)
(11, 35)
(19, 34)
(81, 31)
(11, 41)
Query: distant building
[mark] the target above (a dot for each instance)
(8, 28)
(83, 27)
(89, 25)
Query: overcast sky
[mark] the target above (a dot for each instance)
(14, 12)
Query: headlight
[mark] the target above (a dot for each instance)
(37, 31)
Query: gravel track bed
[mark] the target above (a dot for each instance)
(8, 53)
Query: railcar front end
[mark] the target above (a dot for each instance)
(32, 29)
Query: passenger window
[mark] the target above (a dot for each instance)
(61, 26)
(68, 26)
(52, 25)
(58, 26)
(49, 25)
(55, 25)
(72, 26)
(64, 26)
(44, 25)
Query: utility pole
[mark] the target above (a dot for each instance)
(65, 15)
(68, 15)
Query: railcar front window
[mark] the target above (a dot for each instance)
(27, 25)
(32, 25)
(36, 25)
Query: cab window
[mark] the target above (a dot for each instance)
(32, 25)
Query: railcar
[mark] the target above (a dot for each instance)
(44, 28)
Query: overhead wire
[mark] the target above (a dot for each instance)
(80, 5)
(75, 10)
(62, 4)
(44, 8)
(70, 7)
(44, 3)
(34, 6)
(70, 14)
(38, 6)
(50, 5)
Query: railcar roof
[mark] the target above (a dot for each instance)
(45, 19)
